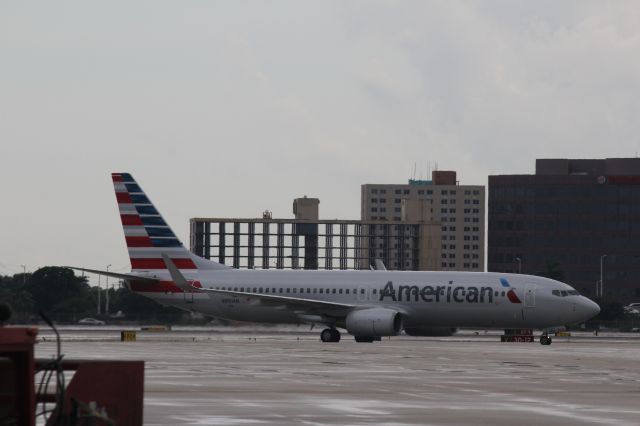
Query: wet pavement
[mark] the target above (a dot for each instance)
(256, 376)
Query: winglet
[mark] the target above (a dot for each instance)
(176, 275)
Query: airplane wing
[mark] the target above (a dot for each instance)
(128, 277)
(306, 309)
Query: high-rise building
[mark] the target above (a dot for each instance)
(458, 210)
(578, 220)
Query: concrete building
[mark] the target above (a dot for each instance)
(579, 218)
(457, 210)
(309, 243)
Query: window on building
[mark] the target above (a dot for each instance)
(429, 192)
(406, 192)
(443, 192)
(452, 265)
(374, 191)
(374, 200)
(398, 191)
(475, 265)
(444, 255)
(383, 191)
(420, 191)
(444, 264)
(444, 201)
(476, 192)
(476, 201)
(374, 209)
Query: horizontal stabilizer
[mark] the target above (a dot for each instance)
(127, 277)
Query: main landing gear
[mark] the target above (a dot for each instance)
(330, 335)
(545, 339)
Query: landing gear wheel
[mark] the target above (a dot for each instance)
(364, 339)
(330, 335)
(545, 340)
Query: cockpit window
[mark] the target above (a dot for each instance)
(565, 293)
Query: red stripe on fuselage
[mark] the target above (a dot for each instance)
(131, 220)
(159, 264)
(123, 198)
(159, 287)
(138, 241)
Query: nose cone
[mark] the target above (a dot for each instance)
(588, 308)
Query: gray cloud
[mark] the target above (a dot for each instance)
(228, 108)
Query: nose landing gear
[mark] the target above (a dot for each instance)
(330, 335)
(545, 339)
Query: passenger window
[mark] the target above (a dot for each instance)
(375, 291)
(260, 289)
(288, 290)
(308, 290)
(340, 291)
(497, 293)
(315, 290)
(503, 294)
(280, 291)
(266, 290)
(294, 290)
(254, 289)
(241, 288)
(321, 291)
(347, 291)
(362, 291)
(564, 293)
(235, 289)
(333, 291)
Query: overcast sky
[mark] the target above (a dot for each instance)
(229, 108)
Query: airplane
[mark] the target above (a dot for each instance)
(369, 304)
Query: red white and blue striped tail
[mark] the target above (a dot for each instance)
(147, 234)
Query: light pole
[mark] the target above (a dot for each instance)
(601, 281)
(106, 307)
(519, 265)
(99, 301)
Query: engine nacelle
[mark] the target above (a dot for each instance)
(374, 322)
(430, 331)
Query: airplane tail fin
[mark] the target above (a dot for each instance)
(147, 234)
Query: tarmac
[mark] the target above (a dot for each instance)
(261, 376)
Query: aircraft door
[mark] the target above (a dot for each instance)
(530, 296)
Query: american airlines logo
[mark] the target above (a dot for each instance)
(449, 294)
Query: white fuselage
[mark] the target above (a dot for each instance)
(448, 299)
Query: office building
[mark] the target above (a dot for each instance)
(574, 219)
(458, 210)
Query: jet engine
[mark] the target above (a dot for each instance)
(374, 322)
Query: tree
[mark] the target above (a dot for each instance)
(57, 290)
